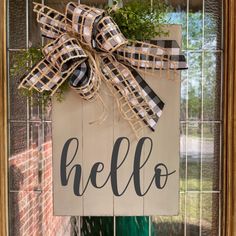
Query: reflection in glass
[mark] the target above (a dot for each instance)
(210, 217)
(210, 157)
(36, 110)
(18, 103)
(17, 23)
(35, 135)
(164, 225)
(182, 169)
(18, 138)
(195, 25)
(212, 24)
(194, 86)
(95, 3)
(15, 220)
(97, 226)
(193, 214)
(47, 131)
(48, 111)
(178, 15)
(18, 172)
(132, 226)
(212, 86)
(34, 29)
(184, 94)
(193, 155)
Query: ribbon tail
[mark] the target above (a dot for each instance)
(137, 102)
(145, 55)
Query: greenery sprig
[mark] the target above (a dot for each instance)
(24, 59)
(21, 65)
(138, 20)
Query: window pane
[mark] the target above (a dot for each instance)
(17, 103)
(178, 15)
(195, 86)
(212, 86)
(17, 220)
(210, 217)
(132, 226)
(18, 138)
(97, 226)
(34, 28)
(17, 23)
(184, 94)
(192, 214)
(183, 156)
(95, 3)
(57, 5)
(211, 153)
(195, 23)
(164, 225)
(193, 155)
(213, 24)
(30, 181)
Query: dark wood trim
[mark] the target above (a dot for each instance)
(229, 145)
(3, 122)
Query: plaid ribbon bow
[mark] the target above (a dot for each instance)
(87, 47)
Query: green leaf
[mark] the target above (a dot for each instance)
(137, 15)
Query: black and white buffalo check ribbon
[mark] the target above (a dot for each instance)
(146, 55)
(88, 47)
(132, 93)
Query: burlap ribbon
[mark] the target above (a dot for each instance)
(87, 48)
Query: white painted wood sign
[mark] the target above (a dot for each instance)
(102, 178)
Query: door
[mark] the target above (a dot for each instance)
(29, 135)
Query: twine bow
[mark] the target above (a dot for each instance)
(87, 47)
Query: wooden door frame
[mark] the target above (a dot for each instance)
(229, 122)
(3, 123)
